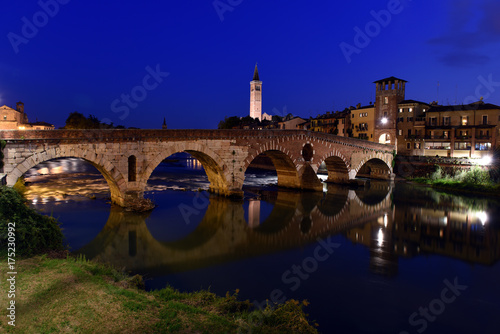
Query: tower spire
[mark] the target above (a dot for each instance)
(256, 73)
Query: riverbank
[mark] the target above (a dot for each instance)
(458, 186)
(59, 295)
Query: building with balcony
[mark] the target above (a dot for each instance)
(410, 124)
(363, 122)
(470, 130)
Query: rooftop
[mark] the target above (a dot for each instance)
(389, 79)
(413, 102)
(462, 107)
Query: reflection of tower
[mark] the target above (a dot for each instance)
(383, 259)
(389, 92)
(256, 96)
(253, 213)
(164, 125)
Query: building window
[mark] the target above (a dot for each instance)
(132, 167)
(400, 132)
(409, 132)
(483, 146)
(462, 146)
(257, 88)
(445, 134)
(417, 146)
(386, 100)
(400, 109)
(5, 117)
(352, 115)
(409, 119)
(464, 120)
(446, 120)
(408, 146)
(433, 121)
(485, 119)
(385, 114)
(410, 110)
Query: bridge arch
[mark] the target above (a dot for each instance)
(288, 176)
(374, 167)
(110, 173)
(337, 167)
(214, 165)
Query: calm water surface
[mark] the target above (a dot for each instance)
(391, 258)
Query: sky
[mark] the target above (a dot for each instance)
(135, 63)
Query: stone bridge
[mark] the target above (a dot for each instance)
(126, 158)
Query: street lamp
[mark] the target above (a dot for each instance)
(384, 120)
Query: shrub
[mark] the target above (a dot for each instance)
(477, 176)
(34, 232)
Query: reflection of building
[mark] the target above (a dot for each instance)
(377, 236)
(254, 213)
(16, 119)
(462, 234)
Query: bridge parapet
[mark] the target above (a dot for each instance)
(185, 134)
(126, 158)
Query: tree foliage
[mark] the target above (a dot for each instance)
(34, 233)
(77, 120)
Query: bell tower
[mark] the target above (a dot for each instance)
(256, 96)
(389, 92)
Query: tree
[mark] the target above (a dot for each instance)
(229, 122)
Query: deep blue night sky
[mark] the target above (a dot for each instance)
(91, 52)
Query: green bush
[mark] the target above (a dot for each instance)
(34, 232)
(477, 176)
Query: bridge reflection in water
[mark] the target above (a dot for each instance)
(382, 218)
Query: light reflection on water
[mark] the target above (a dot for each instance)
(397, 244)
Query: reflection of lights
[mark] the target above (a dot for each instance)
(22, 128)
(380, 237)
(56, 170)
(441, 233)
(445, 221)
(486, 160)
(43, 171)
(385, 220)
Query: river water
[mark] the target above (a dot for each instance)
(388, 258)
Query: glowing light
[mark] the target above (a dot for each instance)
(384, 120)
(22, 128)
(482, 216)
(486, 160)
(385, 220)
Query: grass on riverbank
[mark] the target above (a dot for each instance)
(475, 180)
(79, 296)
